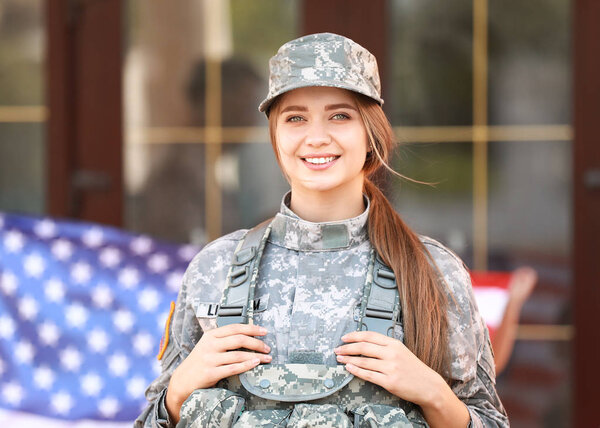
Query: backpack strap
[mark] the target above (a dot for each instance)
(380, 307)
(236, 306)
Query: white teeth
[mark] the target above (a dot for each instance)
(318, 161)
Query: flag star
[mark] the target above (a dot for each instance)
(44, 378)
(143, 343)
(102, 296)
(61, 402)
(93, 238)
(148, 300)
(70, 359)
(7, 327)
(123, 320)
(34, 265)
(8, 283)
(110, 257)
(98, 340)
(76, 315)
(174, 280)
(45, 229)
(118, 364)
(129, 277)
(141, 245)
(188, 252)
(48, 333)
(62, 249)
(91, 384)
(158, 262)
(136, 387)
(81, 273)
(108, 407)
(14, 241)
(24, 352)
(54, 290)
(12, 393)
(28, 308)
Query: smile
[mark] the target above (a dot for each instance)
(320, 161)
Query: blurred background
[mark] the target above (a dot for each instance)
(143, 115)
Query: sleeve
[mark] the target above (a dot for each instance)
(180, 344)
(473, 371)
(203, 279)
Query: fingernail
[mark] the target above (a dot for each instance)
(255, 361)
(268, 357)
(349, 366)
(344, 337)
(336, 350)
(262, 330)
(267, 348)
(341, 358)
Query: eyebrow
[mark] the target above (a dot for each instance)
(327, 107)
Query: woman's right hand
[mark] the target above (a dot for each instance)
(215, 357)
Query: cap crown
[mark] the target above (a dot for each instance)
(323, 59)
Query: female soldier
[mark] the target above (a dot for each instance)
(295, 323)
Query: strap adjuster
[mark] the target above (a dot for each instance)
(239, 275)
(232, 314)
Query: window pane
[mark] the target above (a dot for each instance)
(442, 211)
(529, 225)
(22, 163)
(430, 58)
(530, 62)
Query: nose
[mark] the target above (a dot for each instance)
(317, 134)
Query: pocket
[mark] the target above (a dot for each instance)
(210, 408)
(263, 419)
(318, 415)
(380, 415)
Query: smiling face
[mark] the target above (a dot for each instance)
(321, 141)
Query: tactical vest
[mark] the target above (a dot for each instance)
(299, 395)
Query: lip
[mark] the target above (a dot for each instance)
(322, 166)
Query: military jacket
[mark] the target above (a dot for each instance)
(307, 296)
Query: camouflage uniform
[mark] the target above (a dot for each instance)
(307, 295)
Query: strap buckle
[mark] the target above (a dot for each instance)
(378, 320)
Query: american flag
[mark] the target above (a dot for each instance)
(82, 312)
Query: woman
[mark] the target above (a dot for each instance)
(310, 305)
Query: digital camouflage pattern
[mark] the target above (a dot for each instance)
(323, 59)
(313, 292)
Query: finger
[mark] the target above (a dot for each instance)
(222, 372)
(241, 341)
(232, 329)
(362, 348)
(233, 357)
(368, 336)
(368, 375)
(372, 364)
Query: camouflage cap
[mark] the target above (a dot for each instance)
(322, 59)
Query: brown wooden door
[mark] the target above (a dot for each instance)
(84, 151)
(586, 181)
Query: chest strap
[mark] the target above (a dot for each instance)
(380, 305)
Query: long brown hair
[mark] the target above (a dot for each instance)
(421, 286)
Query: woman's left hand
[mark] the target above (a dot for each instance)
(388, 363)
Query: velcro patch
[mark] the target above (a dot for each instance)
(211, 309)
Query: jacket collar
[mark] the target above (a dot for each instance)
(291, 232)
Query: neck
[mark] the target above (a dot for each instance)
(318, 207)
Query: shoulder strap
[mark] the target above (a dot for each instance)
(241, 278)
(380, 307)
